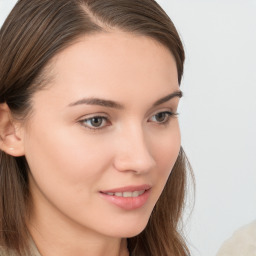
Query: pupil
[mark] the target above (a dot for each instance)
(160, 117)
(97, 121)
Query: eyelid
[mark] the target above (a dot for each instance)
(165, 122)
(82, 121)
(94, 116)
(171, 111)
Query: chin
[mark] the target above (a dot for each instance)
(128, 229)
(135, 233)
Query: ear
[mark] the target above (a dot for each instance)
(11, 133)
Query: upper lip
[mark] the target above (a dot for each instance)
(127, 189)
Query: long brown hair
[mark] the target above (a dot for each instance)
(33, 33)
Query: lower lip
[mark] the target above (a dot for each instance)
(128, 203)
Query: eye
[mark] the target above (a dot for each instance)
(95, 122)
(162, 117)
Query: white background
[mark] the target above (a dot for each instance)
(217, 113)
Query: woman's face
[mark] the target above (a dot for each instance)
(103, 137)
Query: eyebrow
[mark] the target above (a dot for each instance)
(168, 97)
(113, 104)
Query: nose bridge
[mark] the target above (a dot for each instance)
(134, 152)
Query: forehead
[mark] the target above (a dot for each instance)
(111, 63)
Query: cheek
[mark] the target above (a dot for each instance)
(63, 161)
(65, 171)
(167, 146)
(166, 151)
(164, 147)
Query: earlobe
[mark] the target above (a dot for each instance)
(11, 139)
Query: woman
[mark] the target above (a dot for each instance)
(91, 162)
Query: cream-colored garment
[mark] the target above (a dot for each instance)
(33, 251)
(242, 242)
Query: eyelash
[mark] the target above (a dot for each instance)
(102, 118)
(167, 117)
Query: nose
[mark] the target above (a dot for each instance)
(133, 152)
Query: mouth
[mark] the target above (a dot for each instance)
(126, 194)
(128, 198)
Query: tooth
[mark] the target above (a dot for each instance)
(135, 194)
(118, 194)
(127, 194)
(141, 192)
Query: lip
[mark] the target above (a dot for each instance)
(127, 203)
(127, 189)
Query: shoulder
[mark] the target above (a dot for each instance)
(5, 252)
(242, 242)
(31, 252)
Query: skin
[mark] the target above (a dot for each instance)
(71, 161)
